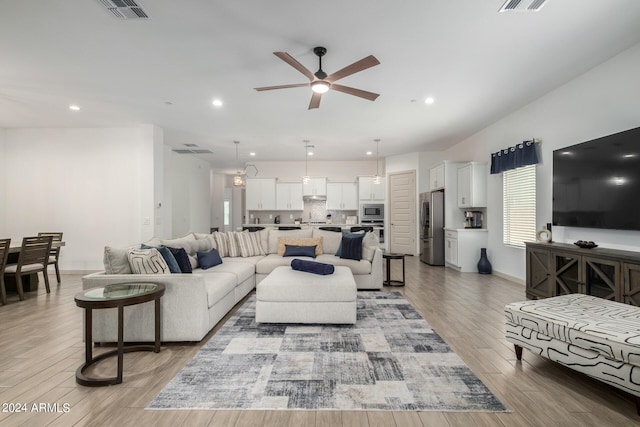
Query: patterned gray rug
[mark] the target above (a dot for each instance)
(389, 360)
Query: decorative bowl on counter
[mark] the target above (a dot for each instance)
(585, 245)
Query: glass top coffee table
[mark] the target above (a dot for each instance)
(115, 296)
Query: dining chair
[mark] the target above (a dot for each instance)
(34, 254)
(4, 255)
(54, 253)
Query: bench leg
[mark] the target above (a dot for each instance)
(518, 351)
(638, 405)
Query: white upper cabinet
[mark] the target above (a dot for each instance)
(369, 191)
(436, 177)
(289, 196)
(472, 185)
(342, 196)
(315, 187)
(260, 194)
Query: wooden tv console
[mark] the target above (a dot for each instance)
(562, 268)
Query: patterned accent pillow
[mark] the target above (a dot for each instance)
(222, 243)
(300, 241)
(147, 261)
(249, 244)
(234, 249)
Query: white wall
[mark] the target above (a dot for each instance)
(343, 171)
(218, 182)
(3, 168)
(603, 101)
(91, 184)
(190, 194)
(107, 186)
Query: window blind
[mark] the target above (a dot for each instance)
(519, 204)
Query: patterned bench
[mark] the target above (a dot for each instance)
(597, 337)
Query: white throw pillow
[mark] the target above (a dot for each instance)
(147, 261)
(116, 261)
(369, 245)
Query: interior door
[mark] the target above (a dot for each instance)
(402, 213)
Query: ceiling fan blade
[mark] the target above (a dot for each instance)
(357, 92)
(295, 64)
(315, 101)
(260, 89)
(363, 64)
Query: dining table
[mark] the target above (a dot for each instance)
(29, 282)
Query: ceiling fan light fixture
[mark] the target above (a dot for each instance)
(320, 86)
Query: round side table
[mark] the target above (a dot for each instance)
(388, 257)
(115, 296)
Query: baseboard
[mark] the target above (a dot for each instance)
(510, 278)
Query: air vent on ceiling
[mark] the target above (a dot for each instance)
(522, 5)
(198, 151)
(124, 9)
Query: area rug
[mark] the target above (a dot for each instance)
(390, 359)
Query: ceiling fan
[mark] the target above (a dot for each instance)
(320, 82)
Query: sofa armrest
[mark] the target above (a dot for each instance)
(184, 306)
(376, 268)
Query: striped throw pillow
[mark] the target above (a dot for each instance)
(249, 244)
(234, 249)
(222, 243)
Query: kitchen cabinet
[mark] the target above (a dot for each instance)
(289, 196)
(369, 191)
(560, 269)
(472, 185)
(342, 196)
(260, 194)
(436, 177)
(315, 187)
(462, 248)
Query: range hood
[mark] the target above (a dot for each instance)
(314, 198)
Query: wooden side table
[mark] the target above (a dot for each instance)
(115, 296)
(388, 257)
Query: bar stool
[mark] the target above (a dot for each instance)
(388, 257)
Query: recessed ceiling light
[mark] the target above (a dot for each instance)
(369, 153)
(629, 156)
(311, 153)
(217, 103)
(252, 153)
(74, 108)
(429, 100)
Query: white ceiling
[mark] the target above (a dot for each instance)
(477, 63)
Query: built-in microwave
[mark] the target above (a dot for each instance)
(372, 212)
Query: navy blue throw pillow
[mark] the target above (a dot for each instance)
(348, 235)
(312, 267)
(182, 259)
(352, 247)
(209, 259)
(167, 255)
(292, 250)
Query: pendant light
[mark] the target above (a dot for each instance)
(238, 180)
(377, 179)
(306, 178)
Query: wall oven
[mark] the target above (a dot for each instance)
(372, 212)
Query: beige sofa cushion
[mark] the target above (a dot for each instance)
(305, 241)
(275, 234)
(267, 264)
(357, 267)
(330, 240)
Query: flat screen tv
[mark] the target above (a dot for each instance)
(596, 184)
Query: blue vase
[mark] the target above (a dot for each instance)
(484, 266)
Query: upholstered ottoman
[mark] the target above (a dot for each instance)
(291, 296)
(597, 337)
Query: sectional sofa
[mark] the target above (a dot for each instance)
(195, 302)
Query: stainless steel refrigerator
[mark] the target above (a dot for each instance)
(432, 227)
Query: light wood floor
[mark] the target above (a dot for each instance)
(41, 347)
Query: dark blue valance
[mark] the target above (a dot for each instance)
(514, 157)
